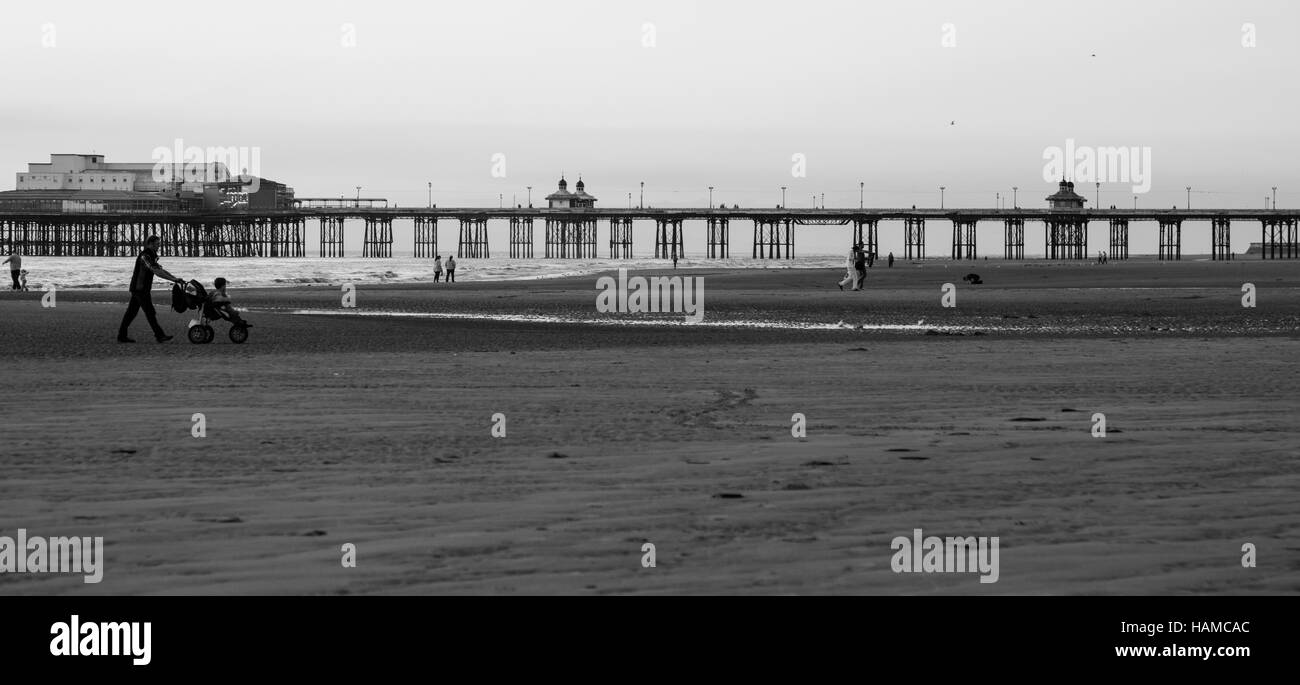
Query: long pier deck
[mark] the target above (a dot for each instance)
(570, 233)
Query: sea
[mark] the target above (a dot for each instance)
(114, 273)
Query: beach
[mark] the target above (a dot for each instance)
(373, 426)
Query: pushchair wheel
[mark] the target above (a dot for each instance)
(238, 334)
(196, 334)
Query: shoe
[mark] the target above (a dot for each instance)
(164, 338)
(124, 340)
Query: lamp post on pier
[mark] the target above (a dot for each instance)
(941, 189)
(782, 197)
(1015, 201)
(710, 197)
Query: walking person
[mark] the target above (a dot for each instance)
(15, 263)
(849, 272)
(146, 266)
(891, 260)
(859, 267)
(437, 269)
(451, 269)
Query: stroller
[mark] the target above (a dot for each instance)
(193, 296)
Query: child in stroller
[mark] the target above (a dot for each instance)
(212, 307)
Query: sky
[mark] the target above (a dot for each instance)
(886, 101)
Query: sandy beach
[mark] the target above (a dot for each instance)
(358, 426)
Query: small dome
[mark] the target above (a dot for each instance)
(564, 185)
(580, 184)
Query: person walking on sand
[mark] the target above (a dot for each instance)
(437, 268)
(15, 263)
(859, 267)
(852, 272)
(674, 259)
(891, 260)
(146, 266)
(451, 269)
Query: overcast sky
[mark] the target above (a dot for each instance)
(681, 95)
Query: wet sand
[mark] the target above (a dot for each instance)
(325, 430)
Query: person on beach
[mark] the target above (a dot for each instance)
(451, 269)
(437, 268)
(146, 266)
(15, 263)
(674, 259)
(891, 260)
(850, 270)
(221, 302)
(859, 266)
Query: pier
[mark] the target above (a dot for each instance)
(577, 233)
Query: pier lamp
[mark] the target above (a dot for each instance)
(358, 196)
(710, 197)
(1015, 200)
(783, 197)
(1098, 205)
(629, 200)
(861, 189)
(642, 205)
(1274, 197)
(530, 197)
(941, 189)
(1189, 198)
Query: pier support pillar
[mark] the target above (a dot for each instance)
(1118, 239)
(1279, 239)
(719, 237)
(1014, 239)
(378, 237)
(963, 239)
(869, 238)
(668, 238)
(570, 237)
(1171, 239)
(426, 237)
(914, 238)
(331, 236)
(770, 236)
(620, 238)
(1066, 237)
(1220, 239)
(473, 239)
(521, 237)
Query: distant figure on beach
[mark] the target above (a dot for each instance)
(146, 266)
(674, 259)
(451, 269)
(891, 260)
(973, 279)
(871, 259)
(221, 302)
(437, 268)
(15, 263)
(23, 277)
